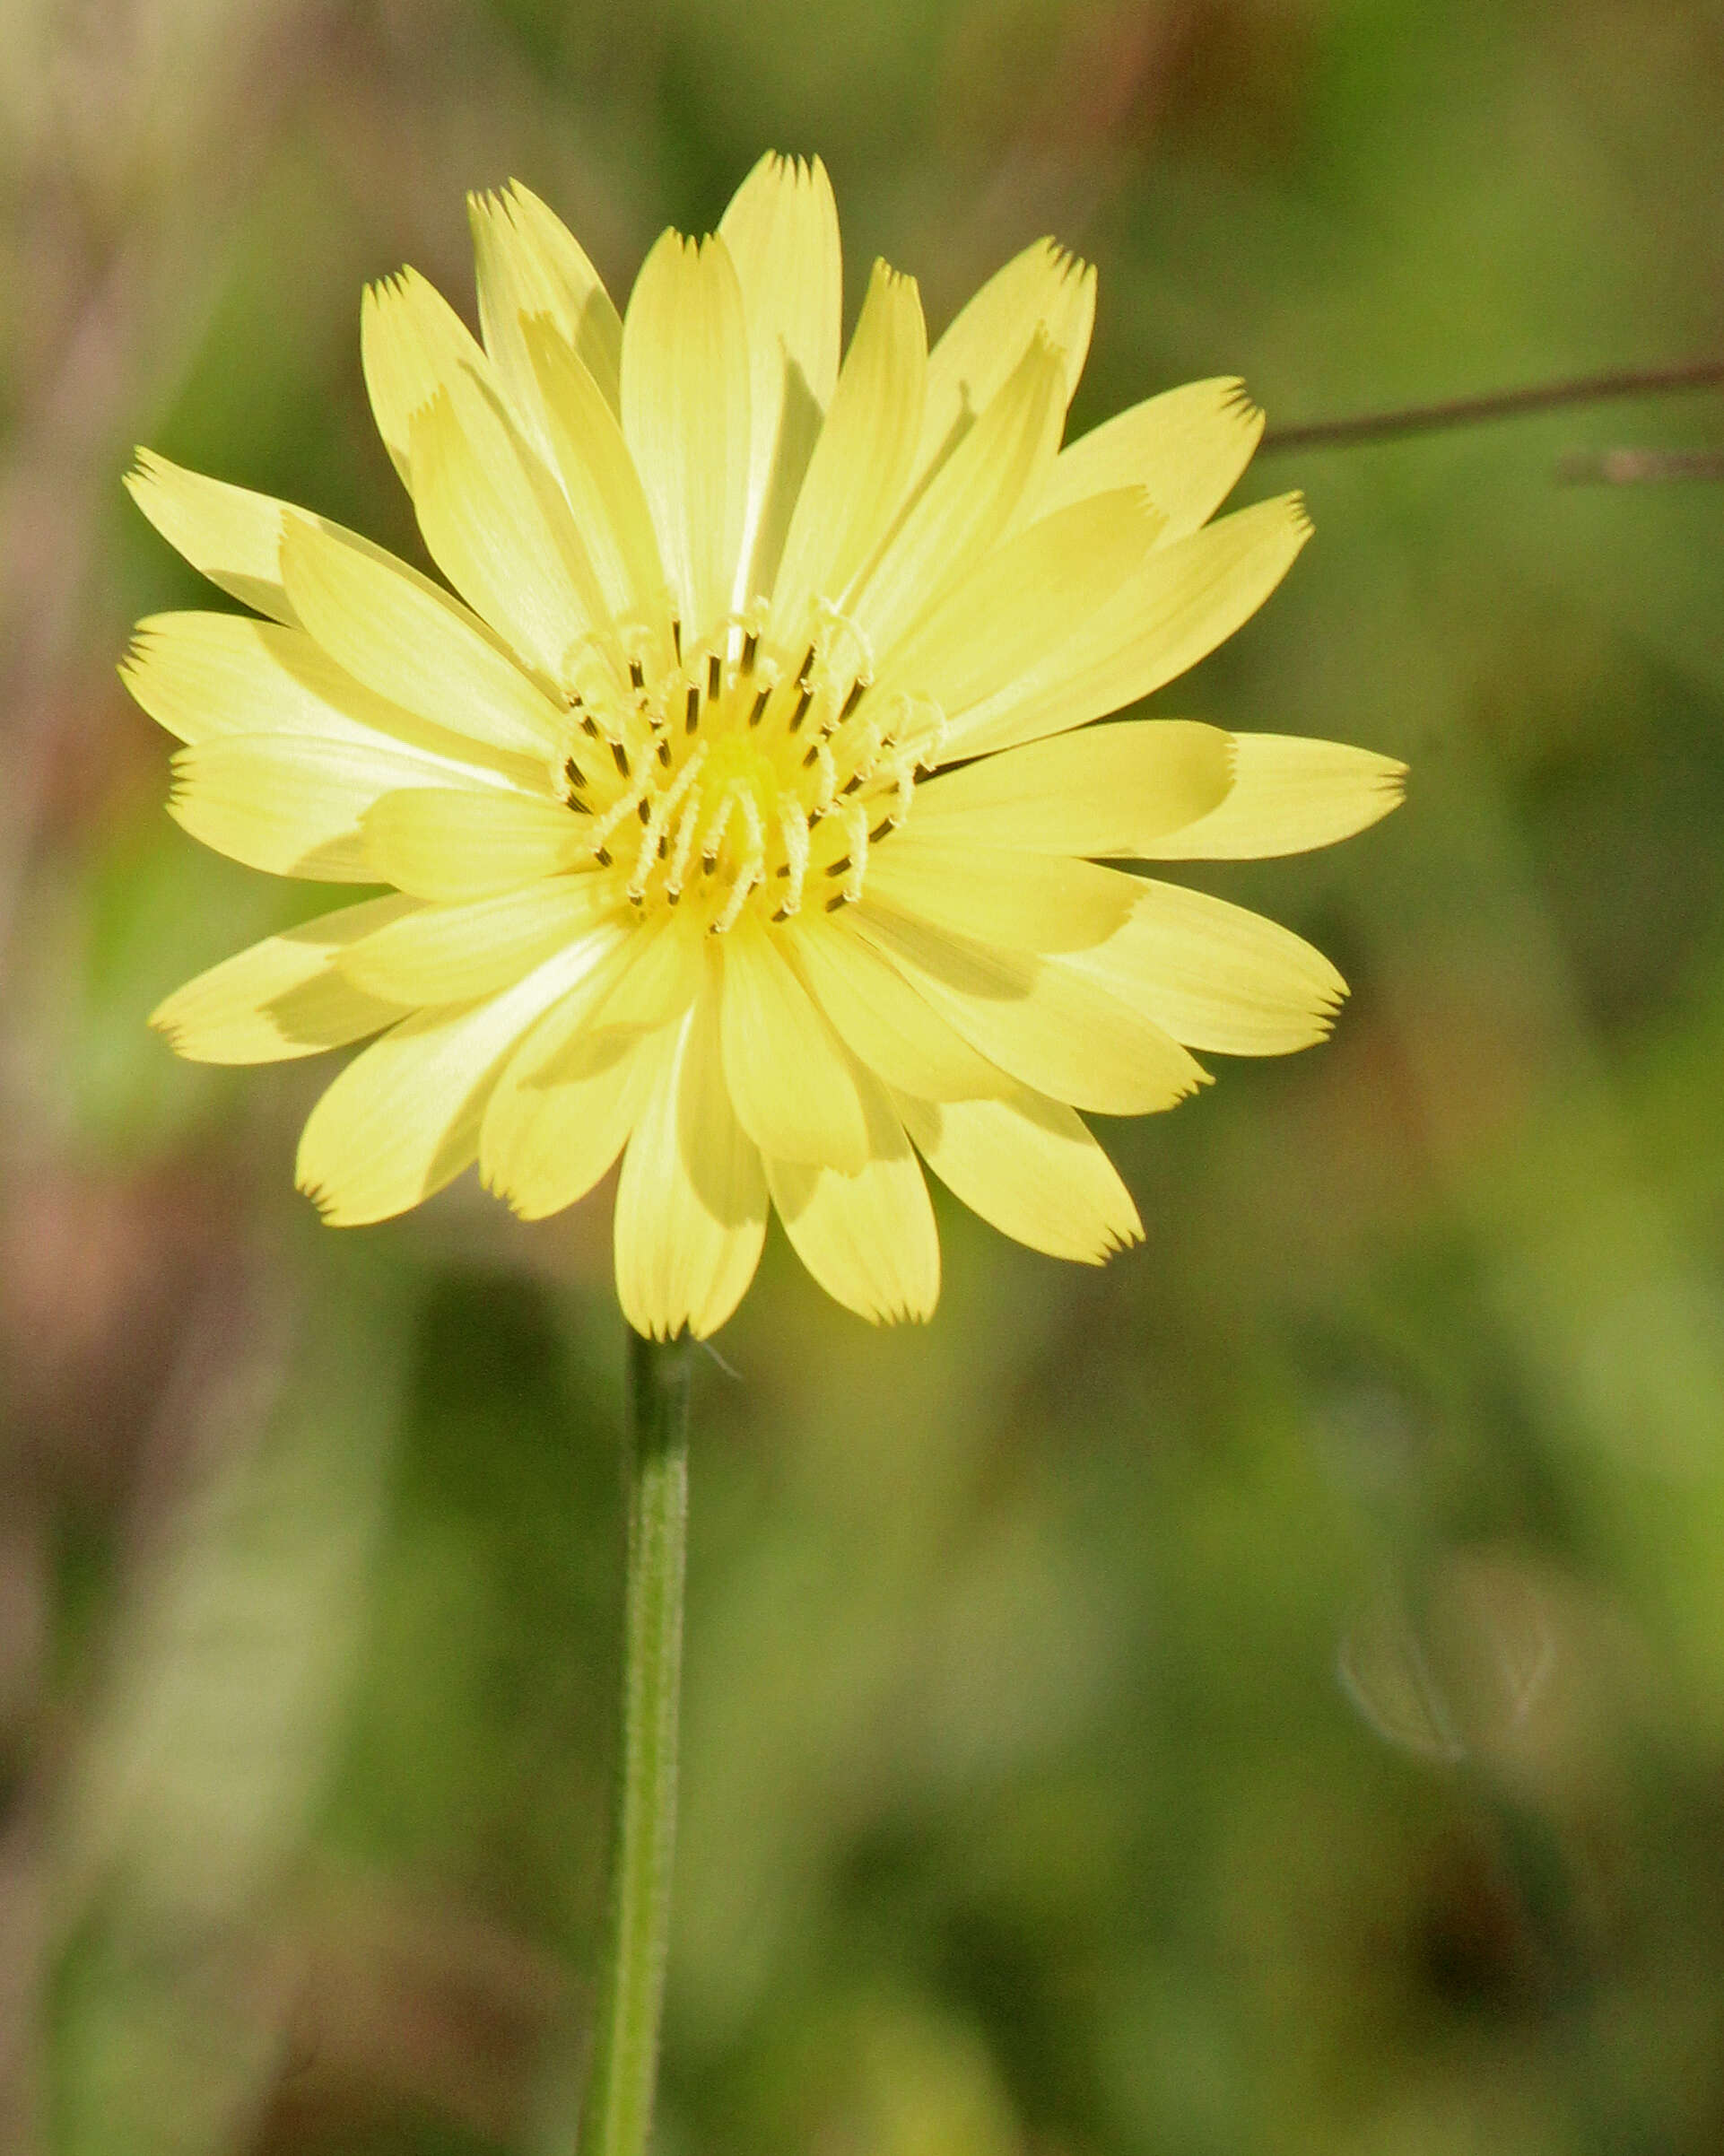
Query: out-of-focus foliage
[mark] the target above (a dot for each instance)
(1266, 1696)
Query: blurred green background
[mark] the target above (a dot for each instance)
(1265, 1696)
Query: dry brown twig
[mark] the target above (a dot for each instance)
(1612, 467)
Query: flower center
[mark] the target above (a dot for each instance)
(745, 771)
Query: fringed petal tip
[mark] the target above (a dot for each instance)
(785, 164)
(325, 1200)
(149, 473)
(666, 1335)
(333, 1213)
(164, 1020)
(135, 657)
(1123, 1232)
(1237, 401)
(1068, 266)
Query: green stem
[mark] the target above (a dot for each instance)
(617, 2114)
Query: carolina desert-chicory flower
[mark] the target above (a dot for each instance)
(742, 814)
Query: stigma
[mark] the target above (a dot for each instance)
(743, 772)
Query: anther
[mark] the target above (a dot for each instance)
(750, 644)
(858, 690)
(880, 830)
(761, 702)
(643, 810)
(620, 758)
(714, 677)
(838, 899)
(837, 867)
(677, 638)
(589, 726)
(692, 711)
(803, 702)
(664, 752)
(602, 855)
(637, 675)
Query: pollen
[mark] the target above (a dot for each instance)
(751, 773)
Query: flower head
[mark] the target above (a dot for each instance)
(743, 813)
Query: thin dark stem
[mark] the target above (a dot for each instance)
(1505, 404)
(616, 2117)
(1638, 468)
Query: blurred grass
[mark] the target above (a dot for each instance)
(1026, 1810)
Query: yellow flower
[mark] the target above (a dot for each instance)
(742, 814)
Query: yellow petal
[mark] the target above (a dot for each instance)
(1104, 790)
(603, 488)
(452, 954)
(1027, 595)
(1288, 795)
(868, 1238)
(529, 263)
(665, 965)
(227, 533)
(440, 842)
(1186, 447)
(412, 342)
(290, 805)
(1044, 291)
(685, 413)
(862, 462)
(782, 230)
(284, 997)
(969, 503)
(1055, 1028)
(1029, 1168)
(793, 1086)
(403, 1118)
(203, 675)
(1217, 976)
(1185, 601)
(546, 1143)
(1037, 901)
(498, 527)
(576, 1085)
(396, 631)
(692, 1203)
(881, 1018)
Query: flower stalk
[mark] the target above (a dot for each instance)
(616, 2116)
